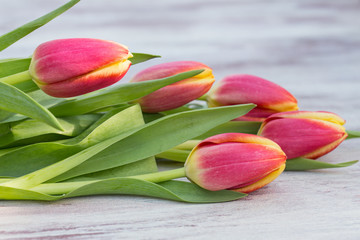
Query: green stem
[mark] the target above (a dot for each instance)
(60, 188)
(162, 176)
(203, 97)
(353, 134)
(17, 78)
(174, 155)
(180, 152)
(66, 187)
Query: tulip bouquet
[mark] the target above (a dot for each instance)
(66, 132)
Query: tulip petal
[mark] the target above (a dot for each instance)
(240, 163)
(325, 149)
(320, 115)
(262, 182)
(302, 137)
(243, 88)
(176, 94)
(170, 69)
(239, 138)
(89, 82)
(64, 59)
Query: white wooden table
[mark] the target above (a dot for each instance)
(312, 48)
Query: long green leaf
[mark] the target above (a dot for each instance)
(172, 190)
(23, 160)
(116, 95)
(147, 165)
(141, 57)
(233, 126)
(9, 38)
(32, 131)
(39, 96)
(156, 137)
(303, 164)
(141, 167)
(149, 117)
(14, 100)
(12, 66)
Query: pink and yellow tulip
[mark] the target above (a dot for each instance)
(269, 97)
(176, 94)
(304, 133)
(72, 67)
(235, 161)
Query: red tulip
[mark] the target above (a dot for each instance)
(176, 94)
(236, 161)
(72, 67)
(269, 97)
(303, 133)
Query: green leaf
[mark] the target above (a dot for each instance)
(147, 165)
(149, 117)
(32, 131)
(116, 95)
(9, 38)
(19, 161)
(303, 164)
(141, 57)
(39, 96)
(156, 137)
(353, 134)
(172, 190)
(14, 100)
(23, 160)
(177, 110)
(9, 193)
(27, 86)
(13, 66)
(233, 126)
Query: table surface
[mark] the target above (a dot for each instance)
(312, 48)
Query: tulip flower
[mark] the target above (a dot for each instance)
(236, 161)
(72, 67)
(176, 94)
(304, 133)
(269, 97)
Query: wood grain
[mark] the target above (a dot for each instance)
(311, 47)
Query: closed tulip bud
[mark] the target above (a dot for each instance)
(235, 161)
(269, 97)
(72, 67)
(177, 94)
(303, 133)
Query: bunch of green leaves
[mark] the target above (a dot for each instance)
(101, 142)
(98, 143)
(56, 148)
